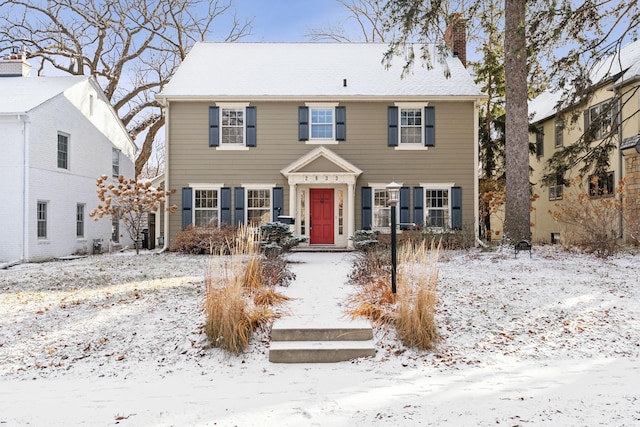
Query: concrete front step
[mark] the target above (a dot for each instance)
(319, 351)
(282, 332)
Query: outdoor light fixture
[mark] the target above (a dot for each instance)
(393, 197)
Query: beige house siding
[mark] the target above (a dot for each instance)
(450, 161)
(543, 223)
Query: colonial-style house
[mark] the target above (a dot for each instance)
(312, 133)
(59, 134)
(610, 112)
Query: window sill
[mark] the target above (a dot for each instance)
(43, 241)
(233, 148)
(322, 142)
(417, 147)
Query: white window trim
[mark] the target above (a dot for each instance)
(68, 136)
(232, 147)
(84, 221)
(411, 146)
(378, 186)
(46, 220)
(320, 141)
(204, 186)
(248, 187)
(431, 186)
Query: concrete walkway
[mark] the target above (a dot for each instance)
(317, 319)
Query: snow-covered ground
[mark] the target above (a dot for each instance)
(116, 339)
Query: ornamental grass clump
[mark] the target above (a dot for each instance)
(238, 299)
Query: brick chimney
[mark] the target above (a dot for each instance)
(15, 64)
(455, 36)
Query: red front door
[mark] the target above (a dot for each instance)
(321, 216)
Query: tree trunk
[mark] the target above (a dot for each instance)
(517, 225)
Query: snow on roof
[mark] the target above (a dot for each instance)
(252, 70)
(627, 61)
(22, 94)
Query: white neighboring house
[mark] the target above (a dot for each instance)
(58, 135)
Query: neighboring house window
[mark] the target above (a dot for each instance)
(599, 120)
(600, 186)
(411, 126)
(559, 128)
(539, 144)
(555, 190)
(115, 230)
(42, 220)
(115, 162)
(437, 208)
(232, 126)
(206, 207)
(80, 220)
(322, 123)
(258, 206)
(63, 151)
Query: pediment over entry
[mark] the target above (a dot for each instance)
(321, 161)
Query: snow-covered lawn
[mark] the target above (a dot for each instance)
(116, 339)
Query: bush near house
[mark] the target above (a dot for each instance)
(201, 240)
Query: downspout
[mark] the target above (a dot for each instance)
(25, 188)
(165, 246)
(476, 172)
(620, 165)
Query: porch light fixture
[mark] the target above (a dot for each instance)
(393, 197)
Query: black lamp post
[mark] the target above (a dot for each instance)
(393, 197)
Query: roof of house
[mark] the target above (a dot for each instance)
(311, 70)
(23, 94)
(624, 65)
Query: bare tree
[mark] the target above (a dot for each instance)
(368, 17)
(132, 47)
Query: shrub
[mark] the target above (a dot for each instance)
(205, 240)
(276, 237)
(591, 220)
(240, 293)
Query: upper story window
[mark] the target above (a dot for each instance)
(206, 209)
(599, 120)
(232, 126)
(559, 129)
(601, 186)
(411, 126)
(540, 144)
(63, 151)
(115, 162)
(322, 123)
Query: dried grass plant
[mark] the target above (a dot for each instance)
(238, 300)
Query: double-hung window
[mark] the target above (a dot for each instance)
(559, 129)
(206, 207)
(555, 190)
(381, 211)
(63, 151)
(602, 186)
(115, 229)
(79, 220)
(115, 162)
(258, 206)
(42, 220)
(232, 126)
(540, 144)
(322, 123)
(411, 126)
(600, 119)
(437, 208)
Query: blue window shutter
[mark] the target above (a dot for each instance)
(429, 126)
(278, 202)
(418, 205)
(367, 221)
(303, 123)
(341, 123)
(456, 208)
(251, 126)
(392, 117)
(214, 125)
(238, 196)
(187, 201)
(225, 205)
(405, 208)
